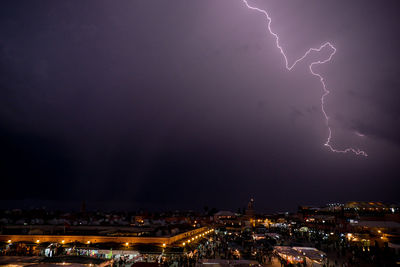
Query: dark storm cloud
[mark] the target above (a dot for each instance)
(31, 166)
(181, 104)
(383, 98)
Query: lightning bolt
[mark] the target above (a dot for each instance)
(319, 76)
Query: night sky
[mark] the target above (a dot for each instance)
(180, 104)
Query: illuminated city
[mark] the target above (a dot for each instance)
(355, 233)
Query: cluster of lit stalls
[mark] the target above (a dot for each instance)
(130, 253)
(19, 248)
(301, 255)
(51, 251)
(129, 256)
(289, 254)
(313, 256)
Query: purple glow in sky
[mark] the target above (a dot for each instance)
(137, 102)
(320, 77)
